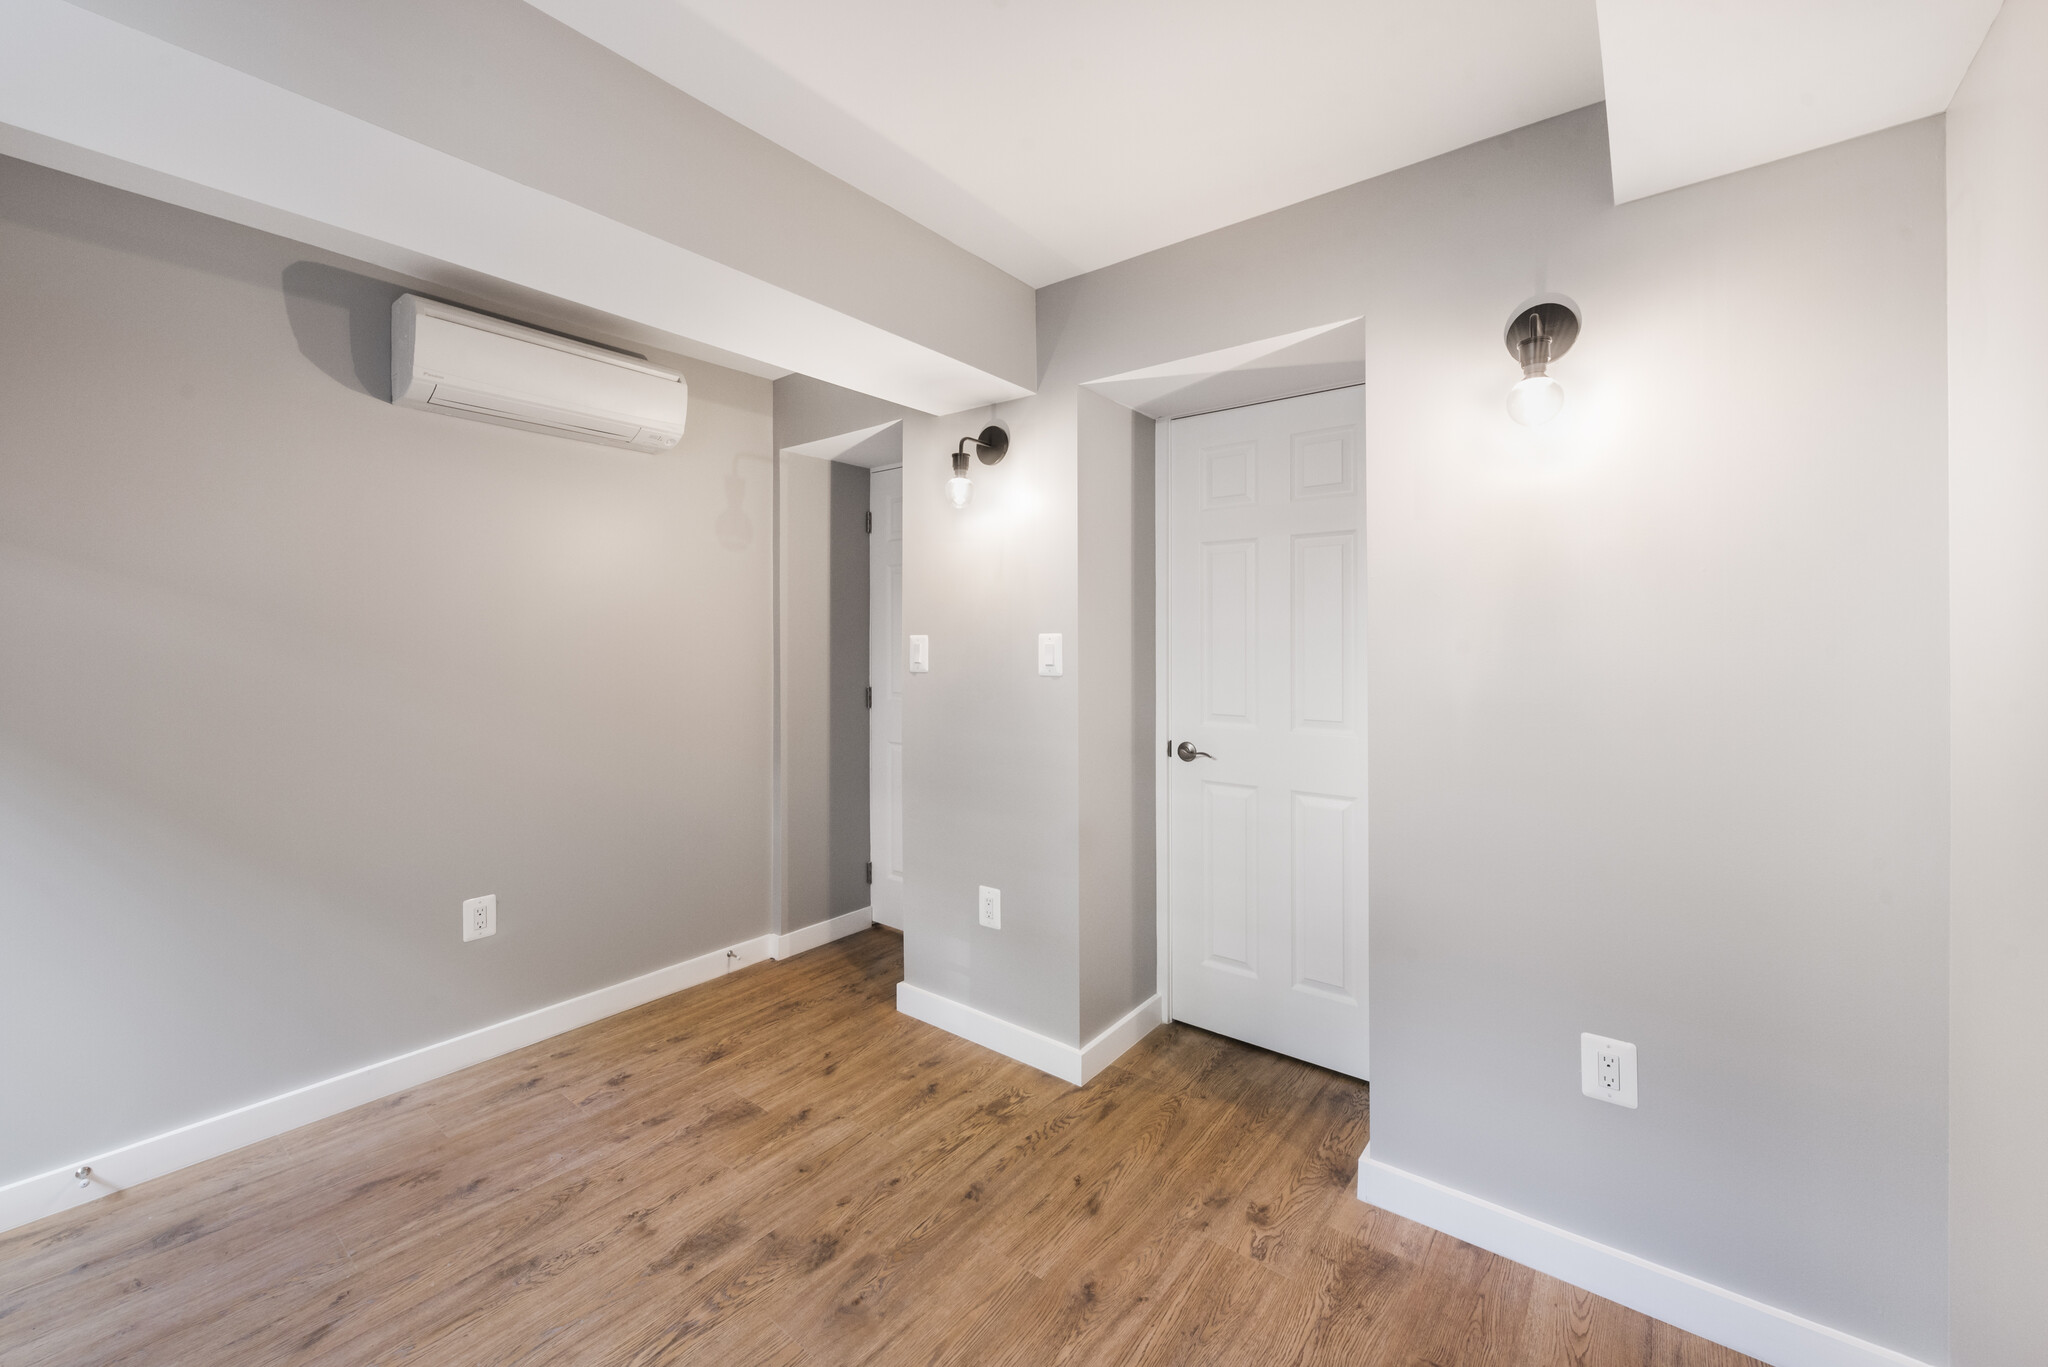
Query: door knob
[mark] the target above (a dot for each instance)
(1188, 752)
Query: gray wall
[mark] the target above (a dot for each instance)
(1659, 702)
(822, 666)
(1998, 565)
(1119, 869)
(993, 753)
(503, 86)
(991, 750)
(290, 672)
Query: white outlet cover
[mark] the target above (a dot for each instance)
(991, 908)
(920, 654)
(1620, 1086)
(1051, 654)
(480, 917)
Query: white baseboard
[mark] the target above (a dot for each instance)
(1047, 1055)
(1111, 1045)
(820, 933)
(1748, 1326)
(32, 1198)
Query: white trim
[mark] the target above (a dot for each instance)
(1713, 1312)
(48, 1193)
(1162, 772)
(1111, 1045)
(1078, 1066)
(820, 933)
(778, 780)
(896, 925)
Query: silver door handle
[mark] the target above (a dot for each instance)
(1188, 752)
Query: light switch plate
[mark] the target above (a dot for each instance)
(1607, 1070)
(1051, 654)
(480, 917)
(992, 908)
(920, 654)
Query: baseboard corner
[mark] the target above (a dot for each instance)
(1078, 1065)
(819, 933)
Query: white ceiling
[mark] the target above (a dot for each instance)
(1052, 137)
(1696, 90)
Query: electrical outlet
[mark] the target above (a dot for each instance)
(1607, 1070)
(992, 908)
(480, 917)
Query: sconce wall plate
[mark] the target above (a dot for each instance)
(992, 445)
(1548, 319)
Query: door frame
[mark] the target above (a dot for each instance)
(1162, 655)
(876, 861)
(1162, 764)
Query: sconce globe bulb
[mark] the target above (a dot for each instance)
(1535, 399)
(959, 489)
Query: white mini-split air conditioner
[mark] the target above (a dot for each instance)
(454, 361)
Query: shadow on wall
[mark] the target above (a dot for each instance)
(342, 323)
(735, 528)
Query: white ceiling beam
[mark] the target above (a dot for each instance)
(84, 94)
(1697, 90)
(668, 40)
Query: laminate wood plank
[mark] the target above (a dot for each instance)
(1571, 1327)
(587, 1241)
(1224, 1310)
(1196, 1179)
(1363, 1264)
(1467, 1309)
(1104, 1290)
(875, 1253)
(778, 1169)
(1281, 1210)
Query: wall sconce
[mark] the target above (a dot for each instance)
(1537, 336)
(992, 445)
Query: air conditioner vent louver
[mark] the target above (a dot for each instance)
(480, 367)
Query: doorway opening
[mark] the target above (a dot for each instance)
(824, 845)
(1263, 820)
(1261, 829)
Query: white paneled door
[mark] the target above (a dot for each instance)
(1266, 717)
(885, 674)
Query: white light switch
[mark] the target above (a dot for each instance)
(920, 654)
(1607, 1070)
(991, 908)
(1051, 655)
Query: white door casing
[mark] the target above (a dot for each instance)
(885, 676)
(1265, 664)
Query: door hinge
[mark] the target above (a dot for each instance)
(870, 523)
(871, 870)
(871, 695)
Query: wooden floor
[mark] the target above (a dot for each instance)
(777, 1168)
